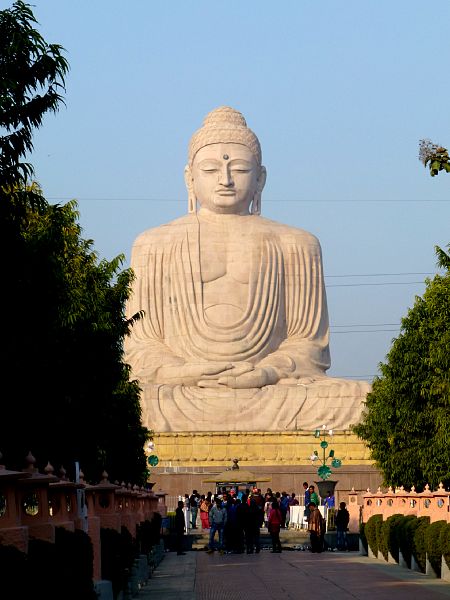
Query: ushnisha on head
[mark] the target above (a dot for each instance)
(224, 172)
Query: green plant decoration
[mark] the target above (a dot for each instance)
(324, 471)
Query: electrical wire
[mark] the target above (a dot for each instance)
(279, 201)
(379, 283)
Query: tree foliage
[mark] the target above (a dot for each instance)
(434, 156)
(32, 74)
(407, 419)
(66, 390)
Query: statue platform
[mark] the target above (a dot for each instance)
(186, 459)
(218, 449)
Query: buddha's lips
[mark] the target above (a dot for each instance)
(225, 192)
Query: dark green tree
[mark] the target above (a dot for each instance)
(66, 390)
(407, 418)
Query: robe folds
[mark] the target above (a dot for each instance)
(284, 325)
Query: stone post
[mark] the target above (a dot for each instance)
(355, 512)
(62, 498)
(103, 503)
(12, 532)
(33, 502)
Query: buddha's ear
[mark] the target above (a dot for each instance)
(262, 179)
(189, 180)
(256, 204)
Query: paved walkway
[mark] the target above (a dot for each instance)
(288, 576)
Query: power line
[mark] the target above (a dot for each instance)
(299, 200)
(378, 275)
(355, 376)
(367, 325)
(366, 331)
(380, 283)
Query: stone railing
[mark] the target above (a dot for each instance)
(33, 504)
(435, 505)
(399, 501)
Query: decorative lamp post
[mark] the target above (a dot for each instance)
(324, 471)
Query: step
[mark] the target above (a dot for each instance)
(290, 538)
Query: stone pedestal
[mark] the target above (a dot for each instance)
(324, 486)
(430, 571)
(260, 448)
(414, 566)
(401, 561)
(186, 459)
(445, 571)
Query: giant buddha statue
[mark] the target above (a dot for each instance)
(234, 334)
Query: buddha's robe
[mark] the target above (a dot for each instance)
(284, 324)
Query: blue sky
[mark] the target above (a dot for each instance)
(339, 94)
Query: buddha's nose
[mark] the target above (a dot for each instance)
(225, 176)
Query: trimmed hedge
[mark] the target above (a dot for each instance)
(148, 534)
(362, 535)
(372, 531)
(74, 568)
(412, 536)
(403, 539)
(388, 542)
(51, 571)
(118, 552)
(433, 545)
(444, 542)
(13, 568)
(416, 531)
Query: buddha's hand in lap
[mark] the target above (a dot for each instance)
(256, 378)
(192, 373)
(237, 370)
(304, 380)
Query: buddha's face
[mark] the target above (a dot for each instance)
(225, 178)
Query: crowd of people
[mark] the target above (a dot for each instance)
(235, 518)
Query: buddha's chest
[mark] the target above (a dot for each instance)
(229, 256)
(227, 264)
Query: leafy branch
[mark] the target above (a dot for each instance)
(434, 156)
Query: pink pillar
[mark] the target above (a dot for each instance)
(12, 532)
(102, 503)
(33, 502)
(368, 506)
(354, 510)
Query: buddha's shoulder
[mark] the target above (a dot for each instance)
(287, 234)
(168, 231)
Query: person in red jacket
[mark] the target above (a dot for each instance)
(274, 524)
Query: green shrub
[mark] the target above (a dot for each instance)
(417, 529)
(148, 534)
(362, 535)
(444, 542)
(378, 526)
(389, 541)
(404, 542)
(372, 531)
(433, 545)
(41, 554)
(382, 542)
(49, 568)
(117, 554)
(13, 569)
(74, 568)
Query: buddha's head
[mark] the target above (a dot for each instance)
(224, 173)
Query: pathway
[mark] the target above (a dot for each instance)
(288, 576)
